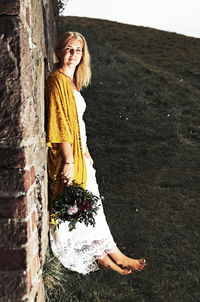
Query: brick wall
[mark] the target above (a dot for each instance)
(27, 35)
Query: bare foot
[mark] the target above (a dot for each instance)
(127, 263)
(132, 264)
(107, 262)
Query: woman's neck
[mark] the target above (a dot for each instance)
(69, 72)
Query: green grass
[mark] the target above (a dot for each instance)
(143, 131)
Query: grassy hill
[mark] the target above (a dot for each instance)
(143, 130)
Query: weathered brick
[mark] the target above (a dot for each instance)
(13, 284)
(40, 293)
(34, 267)
(11, 7)
(32, 294)
(30, 154)
(29, 280)
(15, 180)
(32, 172)
(10, 87)
(12, 260)
(26, 180)
(32, 248)
(13, 207)
(29, 227)
(33, 221)
(24, 48)
(28, 120)
(43, 236)
(12, 157)
(27, 16)
(13, 234)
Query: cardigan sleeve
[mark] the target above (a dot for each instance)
(58, 125)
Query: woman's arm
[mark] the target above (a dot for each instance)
(87, 154)
(68, 163)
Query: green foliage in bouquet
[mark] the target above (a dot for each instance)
(75, 205)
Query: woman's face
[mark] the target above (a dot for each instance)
(71, 54)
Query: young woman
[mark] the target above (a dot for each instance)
(84, 249)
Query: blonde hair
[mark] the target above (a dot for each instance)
(82, 75)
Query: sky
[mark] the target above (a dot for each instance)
(180, 16)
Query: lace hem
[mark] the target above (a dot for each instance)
(81, 256)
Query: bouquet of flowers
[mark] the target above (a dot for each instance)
(75, 205)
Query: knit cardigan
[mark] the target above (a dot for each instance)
(62, 125)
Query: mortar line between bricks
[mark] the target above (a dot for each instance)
(26, 168)
(11, 169)
(15, 220)
(9, 15)
(13, 273)
(22, 246)
(12, 194)
(17, 194)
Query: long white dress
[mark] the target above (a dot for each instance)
(79, 249)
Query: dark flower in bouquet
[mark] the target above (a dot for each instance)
(75, 205)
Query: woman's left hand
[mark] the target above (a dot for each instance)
(87, 154)
(91, 160)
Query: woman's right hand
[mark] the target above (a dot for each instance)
(67, 173)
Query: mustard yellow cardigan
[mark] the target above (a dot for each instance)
(62, 126)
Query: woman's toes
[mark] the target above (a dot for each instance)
(142, 261)
(126, 272)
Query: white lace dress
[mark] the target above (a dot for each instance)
(79, 249)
